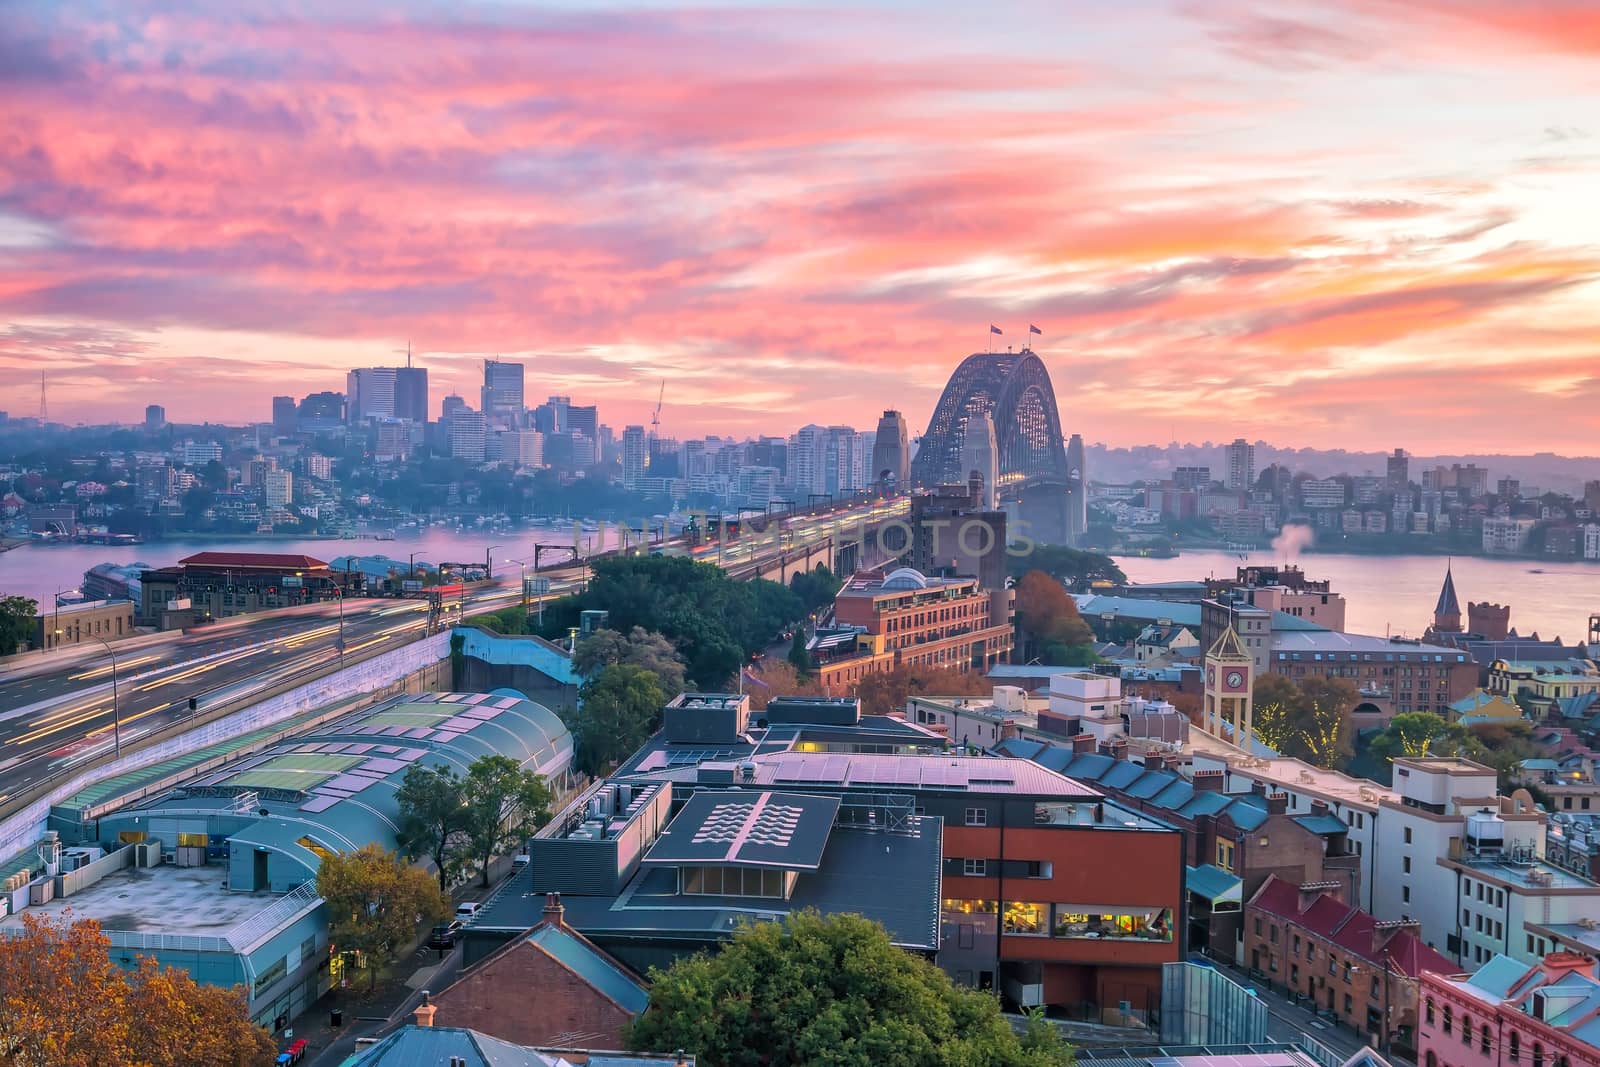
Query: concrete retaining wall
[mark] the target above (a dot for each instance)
(418, 666)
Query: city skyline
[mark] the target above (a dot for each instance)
(1354, 225)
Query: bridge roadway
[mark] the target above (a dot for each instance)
(56, 710)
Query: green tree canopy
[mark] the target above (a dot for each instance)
(639, 647)
(1412, 734)
(713, 621)
(1309, 721)
(17, 615)
(830, 991)
(1075, 567)
(376, 900)
(799, 657)
(815, 588)
(433, 819)
(617, 712)
(504, 804)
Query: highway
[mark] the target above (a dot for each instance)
(56, 710)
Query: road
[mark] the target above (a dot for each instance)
(56, 711)
(1287, 1020)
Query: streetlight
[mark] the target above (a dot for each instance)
(116, 717)
(488, 564)
(523, 564)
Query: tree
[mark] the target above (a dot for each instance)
(640, 647)
(1309, 721)
(815, 588)
(1074, 567)
(1048, 617)
(617, 712)
(1410, 734)
(433, 819)
(17, 615)
(886, 692)
(504, 803)
(63, 1003)
(827, 990)
(778, 678)
(799, 656)
(376, 900)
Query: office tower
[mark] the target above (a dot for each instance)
(283, 416)
(1241, 465)
(553, 416)
(807, 471)
(1399, 472)
(635, 456)
(843, 460)
(155, 417)
(411, 394)
(502, 390)
(584, 419)
(468, 435)
(1078, 490)
(278, 488)
(319, 467)
(451, 405)
(320, 412)
(1184, 479)
(369, 394)
(891, 452)
(980, 458)
(528, 450)
(770, 452)
(393, 442)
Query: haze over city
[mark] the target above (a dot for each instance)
(1309, 223)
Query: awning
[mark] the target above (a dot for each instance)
(1215, 884)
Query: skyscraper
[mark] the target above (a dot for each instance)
(1399, 472)
(1241, 465)
(843, 461)
(980, 458)
(155, 417)
(584, 419)
(891, 452)
(451, 405)
(807, 471)
(411, 394)
(468, 439)
(369, 394)
(635, 456)
(502, 390)
(283, 420)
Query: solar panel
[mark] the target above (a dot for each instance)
(319, 803)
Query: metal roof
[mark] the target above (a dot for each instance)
(783, 831)
(1214, 883)
(597, 969)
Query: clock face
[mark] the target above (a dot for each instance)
(1235, 680)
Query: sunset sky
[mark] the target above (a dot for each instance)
(1348, 223)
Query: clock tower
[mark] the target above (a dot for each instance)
(1230, 686)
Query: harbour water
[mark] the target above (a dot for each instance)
(38, 570)
(1396, 594)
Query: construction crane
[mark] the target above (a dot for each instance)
(655, 417)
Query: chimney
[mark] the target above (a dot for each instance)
(1208, 781)
(554, 913)
(1082, 744)
(425, 1011)
(1311, 892)
(1384, 932)
(1008, 730)
(1319, 807)
(1277, 803)
(1117, 750)
(1154, 762)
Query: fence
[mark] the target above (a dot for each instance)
(90, 873)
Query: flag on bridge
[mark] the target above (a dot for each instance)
(747, 675)
(1034, 329)
(994, 329)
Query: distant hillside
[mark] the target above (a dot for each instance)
(1564, 474)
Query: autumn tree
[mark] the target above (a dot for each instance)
(63, 1003)
(778, 678)
(376, 900)
(833, 990)
(1048, 619)
(433, 820)
(639, 647)
(886, 692)
(617, 712)
(504, 803)
(1411, 734)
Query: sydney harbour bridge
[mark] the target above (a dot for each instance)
(1039, 482)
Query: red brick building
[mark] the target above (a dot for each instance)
(1512, 1014)
(550, 986)
(1305, 939)
(906, 617)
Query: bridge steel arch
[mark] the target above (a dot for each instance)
(1014, 389)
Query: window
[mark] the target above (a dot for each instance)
(1466, 1029)
(1349, 1005)
(977, 816)
(1516, 1046)
(1405, 894)
(1538, 1055)
(1296, 944)
(1272, 935)
(1374, 985)
(1405, 864)
(1258, 934)
(975, 868)
(1031, 920)
(1428, 1009)
(1483, 1038)
(1225, 850)
(1446, 1026)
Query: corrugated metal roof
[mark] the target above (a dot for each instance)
(593, 966)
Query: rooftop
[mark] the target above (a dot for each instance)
(159, 900)
(959, 774)
(1536, 876)
(1299, 777)
(1177, 612)
(254, 561)
(1332, 643)
(434, 1046)
(1353, 930)
(786, 831)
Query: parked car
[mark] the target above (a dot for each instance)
(520, 861)
(444, 935)
(467, 910)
